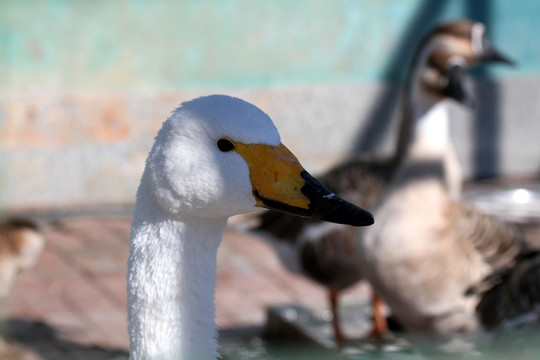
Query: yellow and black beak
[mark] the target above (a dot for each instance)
(280, 183)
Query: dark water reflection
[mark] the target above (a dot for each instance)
(523, 344)
(308, 336)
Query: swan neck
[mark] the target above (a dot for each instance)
(171, 284)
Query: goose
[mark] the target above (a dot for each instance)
(214, 157)
(21, 243)
(427, 248)
(328, 253)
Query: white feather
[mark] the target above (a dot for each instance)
(188, 190)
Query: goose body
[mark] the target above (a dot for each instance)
(214, 157)
(427, 248)
(423, 261)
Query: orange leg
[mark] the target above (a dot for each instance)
(380, 325)
(338, 334)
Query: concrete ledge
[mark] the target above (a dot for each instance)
(78, 149)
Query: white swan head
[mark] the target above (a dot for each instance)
(218, 156)
(214, 157)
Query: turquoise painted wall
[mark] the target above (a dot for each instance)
(61, 45)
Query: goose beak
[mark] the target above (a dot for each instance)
(490, 54)
(280, 183)
(456, 74)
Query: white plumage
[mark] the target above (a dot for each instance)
(214, 157)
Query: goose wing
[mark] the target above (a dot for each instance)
(512, 287)
(515, 296)
(496, 242)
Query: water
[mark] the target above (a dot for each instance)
(519, 345)
(259, 348)
(311, 340)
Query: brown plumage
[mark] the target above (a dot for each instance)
(329, 259)
(426, 249)
(21, 244)
(429, 250)
(512, 297)
(328, 253)
(498, 243)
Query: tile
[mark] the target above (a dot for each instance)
(78, 286)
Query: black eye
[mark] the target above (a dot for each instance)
(225, 145)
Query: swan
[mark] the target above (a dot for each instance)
(427, 248)
(328, 253)
(214, 157)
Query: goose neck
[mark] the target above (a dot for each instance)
(425, 130)
(424, 119)
(431, 129)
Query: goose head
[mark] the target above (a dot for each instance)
(447, 52)
(217, 156)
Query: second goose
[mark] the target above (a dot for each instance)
(328, 253)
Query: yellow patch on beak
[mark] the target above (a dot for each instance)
(274, 173)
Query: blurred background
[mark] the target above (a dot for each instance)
(85, 85)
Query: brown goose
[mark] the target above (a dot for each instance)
(20, 246)
(426, 249)
(328, 253)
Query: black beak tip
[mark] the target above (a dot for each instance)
(510, 62)
(492, 55)
(324, 205)
(505, 60)
(367, 219)
(342, 212)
